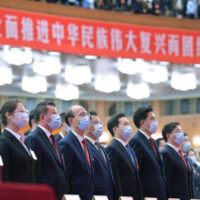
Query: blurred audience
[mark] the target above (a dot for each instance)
(176, 8)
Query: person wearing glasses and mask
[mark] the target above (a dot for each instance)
(123, 159)
(103, 178)
(77, 154)
(18, 162)
(150, 162)
(178, 172)
(50, 165)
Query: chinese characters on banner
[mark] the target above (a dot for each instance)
(79, 36)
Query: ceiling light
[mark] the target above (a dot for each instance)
(197, 65)
(5, 75)
(90, 57)
(66, 92)
(129, 66)
(47, 65)
(155, 74)
(17, 56)
(78, 75)
(107, 82)
(183, 81)
(138, 90)
(34, 84)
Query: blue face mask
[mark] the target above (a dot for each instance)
(153, 126)
(180, 138)
(186, 147)
(127, 132)
(55, 122)
(98, 130)
(84, 123)
(22, 119)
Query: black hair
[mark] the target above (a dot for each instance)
(168, 128)
(93, 113)
(141, 114)
(8, 106)
(114, 122)
(41, 108)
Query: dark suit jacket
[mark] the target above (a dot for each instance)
(125, 175)
(19, 166)
(103, 178)
(49, 169)
(179, 178)
(58, 137)
(78, 172)
(150, 168)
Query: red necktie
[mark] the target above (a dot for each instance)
(55, 148)
(151, 141)
(183, 159)
(86, 151)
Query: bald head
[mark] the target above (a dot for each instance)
(73, 116)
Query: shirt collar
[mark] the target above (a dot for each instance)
(172, 146)
(121, 141)
(16, 135)
(47, 133)
(79, 137)
(91, 140)
(62, 135)
(147, 136)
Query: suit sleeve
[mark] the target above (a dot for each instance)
(112, 155)
(168, 171)
(34, 145)
(5, 154)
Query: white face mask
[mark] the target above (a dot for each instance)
(55, 122)
(153, 126)
(98, 130)
(21, 119)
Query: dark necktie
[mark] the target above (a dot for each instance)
(183, 159)
(86, 151)
(100, 151)
(55, 148)
(128, 148)
(151, 141)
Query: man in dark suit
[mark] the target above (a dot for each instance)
(103, 178)
(122, 158)
(49, 165)
(77, 155)
(177, 170)
(150, 162)
(17, 158)
(64, 128)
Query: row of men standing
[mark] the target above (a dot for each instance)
(80, 165)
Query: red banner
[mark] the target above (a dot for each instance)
(79, 36)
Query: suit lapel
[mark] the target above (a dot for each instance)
(48, 144)
(124, 152)
(175, 154)
(80, 149)
(16, 142)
